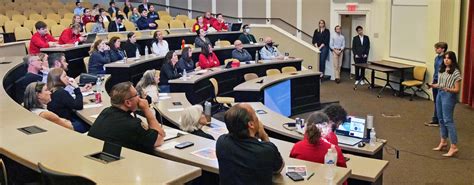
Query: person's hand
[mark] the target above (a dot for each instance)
(322, 45)
(261, 132)
(143, 104)
(106, 47)
(86, 88)
(82, 38)
(434, 85)
(143, 94)
(316, 45)
(446, 89)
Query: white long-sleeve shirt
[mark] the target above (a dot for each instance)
(161, 48)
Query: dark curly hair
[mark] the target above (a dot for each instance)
(336, 113)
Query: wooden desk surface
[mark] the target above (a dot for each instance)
(152, 57)
(395, 65)
(375, 67)
(206, 73)
(363, 168)
(254, 85)
(64, 150)
(274, 122)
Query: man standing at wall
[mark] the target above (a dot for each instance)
(440, 49)
(360, 48)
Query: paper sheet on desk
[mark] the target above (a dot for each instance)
(206, 153)
(176, 109)
(94, 116)
(92, 105)
(164, 97)
(87, 93)
(173, 133)
(167, 145)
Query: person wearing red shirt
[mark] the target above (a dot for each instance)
(207, 58)
(71, 35)
(87, 17)
(220, 25)
(41, 39)
(199, 24)
(337, 115)
(314, 147)
(208, 19)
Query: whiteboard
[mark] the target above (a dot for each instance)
(408, 38)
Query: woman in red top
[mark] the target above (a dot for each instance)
(220, 25)
(199, 24)
(314, 147)
(71, 35)
(207, 58)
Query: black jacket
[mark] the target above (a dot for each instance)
(168, 72)
(360, 49)
(130, 48)
(113, 27)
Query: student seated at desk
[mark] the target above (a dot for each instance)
(242, 157)
(159, 46)
(41, 39)
(135, 15)
(98, 26)
(199, 24)
(104, 15)
(71, 35)
(314, 147)
(169, 71)
(99, 57)
(117, 25)
(201, 40)
(337, 115)
(186, 61)
(37, 96)
(148, 85)
(152, 14)
(270, 52)
(116, 124)
(192, 120)
(116, 53)
(144, 23)
(240, 53)
(246, 37)
(33, 74)
(220, 25)
(87, 17)
(131, 46)
(62, 103)
(207, 58)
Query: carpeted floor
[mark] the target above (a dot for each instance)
(417, 164)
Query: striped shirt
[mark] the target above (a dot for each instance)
(446, 80)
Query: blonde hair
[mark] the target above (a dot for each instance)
(94, 47)
(147, 79)
(190, 118)
(54, 79)
(31, 95)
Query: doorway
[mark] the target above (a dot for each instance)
(349, 22)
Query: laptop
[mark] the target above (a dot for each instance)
(352, 131)
(236, 26)
(90, 38)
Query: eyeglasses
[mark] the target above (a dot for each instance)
(136, 95)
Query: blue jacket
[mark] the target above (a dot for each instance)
(437, 64)
(142, 23)
(97, 61)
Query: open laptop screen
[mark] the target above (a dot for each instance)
(354, 127)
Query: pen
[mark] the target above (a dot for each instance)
(310, 176)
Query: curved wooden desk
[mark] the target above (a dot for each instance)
(198, 88)
(64, 150)
(133, 69)
(363, 170)
(304, 90)
(75, 54)
(164, 107)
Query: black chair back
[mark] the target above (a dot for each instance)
(50, 177)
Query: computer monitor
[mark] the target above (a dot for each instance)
(352, 127)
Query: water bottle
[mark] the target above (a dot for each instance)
(373, 138)
(185, 74)
(146, 51)
(330, 162)
(207, 110)
(183, 43)
(137, 53)
(256, 56)
(98, 90)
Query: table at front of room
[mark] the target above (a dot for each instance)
(198, 88)
(401, 68)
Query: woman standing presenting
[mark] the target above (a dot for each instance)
(448, 86)
(321, 38)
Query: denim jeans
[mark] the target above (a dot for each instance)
(79, 125)
(322, 58)
(445, 103)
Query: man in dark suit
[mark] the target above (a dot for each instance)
(112, 9)
(116, 26)
(360, 49)
(143, 23)
(143, 6)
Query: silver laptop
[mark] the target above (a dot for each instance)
(352, 131)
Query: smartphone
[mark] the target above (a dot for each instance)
(184, 145)
(177, 103)
(294, 176)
